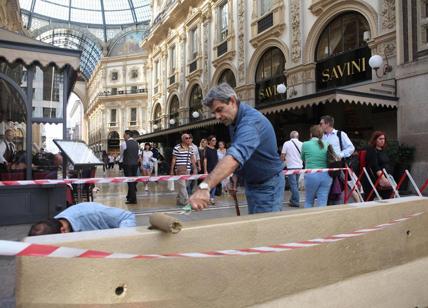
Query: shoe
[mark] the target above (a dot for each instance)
(131, 202)
(212, 201)
(294, 205)
(146, 188)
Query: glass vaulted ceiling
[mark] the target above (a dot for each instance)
(74, 19)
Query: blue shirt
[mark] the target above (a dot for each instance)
(333, 139)
(254, 146)
(88, 216)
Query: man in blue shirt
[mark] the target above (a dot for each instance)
(252, 154)
(85, 216)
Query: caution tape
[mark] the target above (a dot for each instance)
(10, 248)
(143, 179)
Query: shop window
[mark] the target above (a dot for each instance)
(113, 91)
(113, 141)
(195, 104)
(269, 74)
(228, 77)
(134, 89)
(343, 34)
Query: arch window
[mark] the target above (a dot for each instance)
(157, 121)
(195, 104)
(269, 74)
(228, 77)
(344, 33)
(113, 140)
(342, 54)
(173, 112)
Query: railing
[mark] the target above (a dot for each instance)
(122, 92)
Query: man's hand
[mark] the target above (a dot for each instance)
(200, 199)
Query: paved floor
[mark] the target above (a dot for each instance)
(158, 198)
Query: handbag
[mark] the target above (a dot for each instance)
(333, 161)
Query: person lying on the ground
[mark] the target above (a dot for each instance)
(85, 216)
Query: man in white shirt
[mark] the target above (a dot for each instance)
(341, 144)
(7, 149)
(291, 155)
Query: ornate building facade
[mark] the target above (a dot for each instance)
(319, 49)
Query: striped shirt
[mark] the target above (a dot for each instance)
(183, 156)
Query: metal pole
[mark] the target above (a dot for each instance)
(391, 181)
(413, 183)
(372, 185)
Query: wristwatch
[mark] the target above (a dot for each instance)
(203, 186)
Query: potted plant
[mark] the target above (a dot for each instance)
(403, 160)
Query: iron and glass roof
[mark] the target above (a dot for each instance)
(84, 24)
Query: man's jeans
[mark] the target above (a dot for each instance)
(182, 196)
(317, 185)
(267, 196)
(293, 181)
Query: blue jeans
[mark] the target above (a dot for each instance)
(293, 181)
(317, 185)
(267, 196)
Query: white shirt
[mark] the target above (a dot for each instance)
(147, 157)
(293, 157)
(333, 139)
(123, 148)
(196, 151)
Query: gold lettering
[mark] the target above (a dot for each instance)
(325, 75)
(364, 63)
(333, 72)
(357, 66)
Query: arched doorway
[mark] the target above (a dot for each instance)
(113, 142)
(173, 112)
(228, 77)
(195, 104)
(269, 73)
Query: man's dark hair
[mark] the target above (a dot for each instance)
(50, 226)
(128, 132)
(328, 120)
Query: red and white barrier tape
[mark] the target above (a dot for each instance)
(161, 178)
(10, 248)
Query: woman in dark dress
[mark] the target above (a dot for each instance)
(210, 161)
(376, 161)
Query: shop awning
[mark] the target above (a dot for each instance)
(15, 46)
(183, 128)
(335, 95)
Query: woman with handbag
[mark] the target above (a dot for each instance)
(314, 154)
(182, 160)
(376, 161)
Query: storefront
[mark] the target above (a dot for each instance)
(35, 82)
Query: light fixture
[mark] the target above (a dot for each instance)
(155, 126)
(172, 121)
(195, 114)
(376, 62)
(366, 36)
(282, 88)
